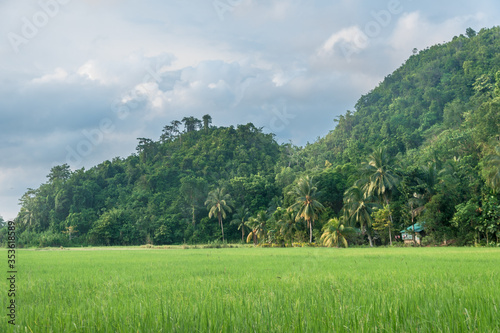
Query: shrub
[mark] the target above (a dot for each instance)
(427, 240)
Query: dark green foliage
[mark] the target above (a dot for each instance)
(157, 196)
(439, 116)
(435, 122)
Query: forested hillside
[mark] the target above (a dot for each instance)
(436, 90)
(422, 146)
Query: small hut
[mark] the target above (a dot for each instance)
(407, 234)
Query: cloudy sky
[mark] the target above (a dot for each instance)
(80, 80)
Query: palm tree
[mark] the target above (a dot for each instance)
(450, 167)
(240, 219)
(428, 180)
(219, 202)
(28, 204)
(305, 203)
(493, 173)
(381, 179)
(335, 232)
(207, 120)
(254, 230)
(175, 127)
(287, 225)
(170, 132)
(257, 226)
(26, 218)
(358, 209)
(166, 133)
(191, 124)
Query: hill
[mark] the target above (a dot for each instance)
(441, 88)
(155, 195)
(432, 126)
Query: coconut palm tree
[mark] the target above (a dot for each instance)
(219, 203)
(306, 205)
(207, 120)
(26, 216)
(257, 226)
(335, 232)
(287, 225)
(253, 225)
(429, 179)
(175, 132)
(239, 219)
(358, 209)
(381, 179)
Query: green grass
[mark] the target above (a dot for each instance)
(257, 290)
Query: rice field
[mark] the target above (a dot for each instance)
(257, 290)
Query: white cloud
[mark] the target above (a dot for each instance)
(347, 38)
(282, 78)
(58, 75)
(415, 30)
(88, 71)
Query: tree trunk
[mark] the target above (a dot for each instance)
(194, 219)
(390, 218)
(412, 224)
(390, 237)
(310, 232)
(364, 231)
(242, 234)
(414, 240)
(370, 240)
(221, 226)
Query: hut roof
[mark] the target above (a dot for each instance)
(418, 227)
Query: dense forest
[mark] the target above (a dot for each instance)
(423, 146)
